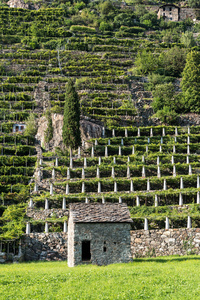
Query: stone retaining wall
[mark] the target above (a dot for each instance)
(160, 242)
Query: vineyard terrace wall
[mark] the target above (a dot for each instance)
(144, 243)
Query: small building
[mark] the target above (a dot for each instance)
(99, 233)
(19, 127)
(169, 12)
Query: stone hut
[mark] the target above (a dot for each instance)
(99, 233)
(169, 12)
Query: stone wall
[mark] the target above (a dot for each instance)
(45, 246)
(188, 13)
(53, 246)
(165, 242)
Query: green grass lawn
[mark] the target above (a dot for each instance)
(152, 278)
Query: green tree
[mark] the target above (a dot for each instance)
(31, 125)
(187, 39)
(48, 134)
(146, 62)
(71, 120)
(194, 3)
(190, 83)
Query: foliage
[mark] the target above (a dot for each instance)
(190, 83)
(187, 39)
(145, 62)
(31, 125)
(194, 3)
(71, 120)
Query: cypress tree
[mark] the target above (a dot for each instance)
(71, 121)
(190, 83)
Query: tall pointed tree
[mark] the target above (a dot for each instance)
(71, 121)
(190, 83)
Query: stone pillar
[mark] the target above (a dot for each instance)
(56, 163)
(39, 175)
(92, 151)
(95, 142)
(126, 132)
(156, 200)
(189, 222)
(131, 186)
(46, 204)
(128, 160)
(31, 203)
(83, 144)
(40, 161)
(85, 162)
(198, 182)
(120, 199)
(46, 227)
(98, 173)
(122, 142)
(120, 151)
(163, 131)
(103, 200)
(146, 227)
(172, 159)
(151, 132)
(188, 149)
(28, 228)
(86, 200)
(36, 187)
(198, 197)
(53, 174)
(133, 150)
(161, 140)
(167, 223)
(65, 226)
(160, 148)
(143, 172)
(158, 172)
(83, 173)
(190, 170)
(128, 172)
(68, 173)
(187, 160)
(71, 163)
(109, 142)
(158, 160)
(174, 149)
(99, 187)
(67, 189)
(79, 152)
(138, 132)
(99, 160)
(148, 184)
(113, 172)
(188, 139)
(51, 189)
(83, 187)
(165, 185)
(181, 183)
(147, 149)
(137, 201)
(115, 187)
(148, 140)
(174, 170)
(180, 199)
(175, 139)
(64, 204)
(106, 151)
(143, 159)
(113, 133)
(176, 131)
(114, 160)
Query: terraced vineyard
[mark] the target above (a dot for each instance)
(153, 169)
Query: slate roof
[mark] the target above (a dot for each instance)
(99, 213)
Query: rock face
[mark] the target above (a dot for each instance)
(41, 95)
(22, 4)
(88, 130)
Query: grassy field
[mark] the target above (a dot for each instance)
(152, 278)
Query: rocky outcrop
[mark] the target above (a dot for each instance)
(41, 96)
(46, 213)
(22, 4)
(88, 130)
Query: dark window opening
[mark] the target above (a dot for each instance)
(115, 243)
(17, 128)
(104, 243)
(163, 14)
(170, 9)
(104, 249)
(86, 255)
(163, 8)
